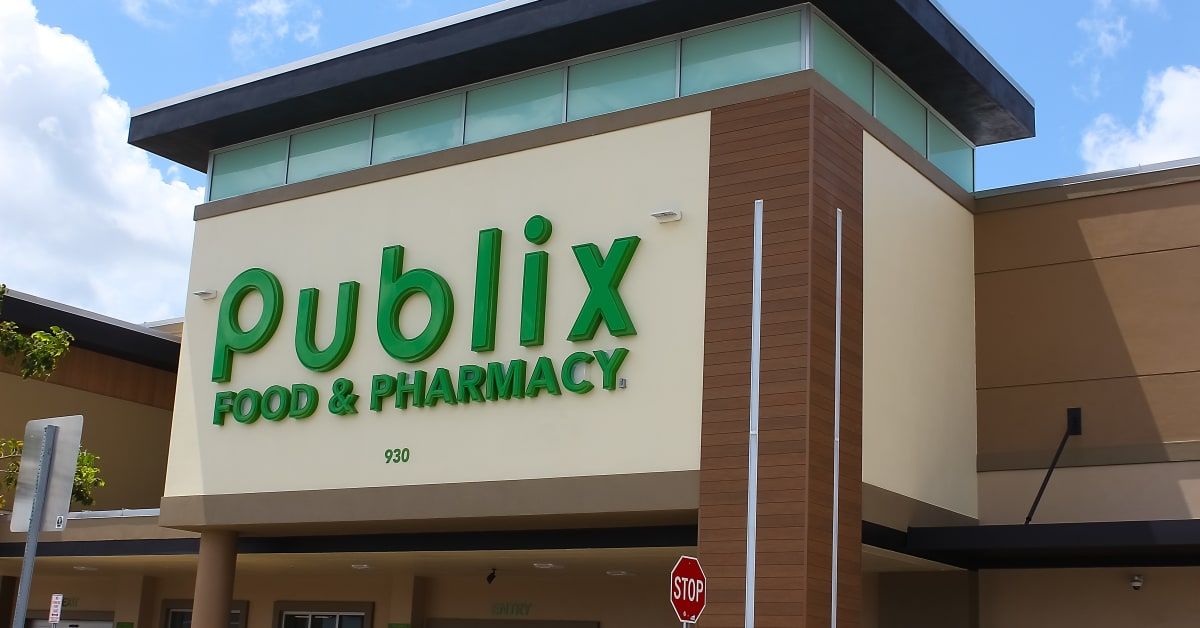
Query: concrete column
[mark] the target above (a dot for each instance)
(407, 602)
(214, 579)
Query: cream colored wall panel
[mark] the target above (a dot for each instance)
(918, 336)
(593, 190)
(1130, 492)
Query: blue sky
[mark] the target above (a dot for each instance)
(96, 223)
(1079, 59)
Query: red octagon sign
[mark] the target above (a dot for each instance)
(687, 589)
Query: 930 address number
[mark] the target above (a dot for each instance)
(396, 456)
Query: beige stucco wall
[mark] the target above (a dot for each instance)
(593, 190)
(130, 438)
(1096, 598)
(1128, 492)
(918, 336)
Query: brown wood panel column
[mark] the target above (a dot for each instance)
(837, 182)
(214, 579)
(771, 149)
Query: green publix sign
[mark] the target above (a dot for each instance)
(420, 388)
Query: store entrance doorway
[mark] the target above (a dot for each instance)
(67, 623)
(508, 623)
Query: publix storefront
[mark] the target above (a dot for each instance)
(475, 338)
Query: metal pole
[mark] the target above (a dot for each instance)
(752, 469)
(35, 526)
(837, 414)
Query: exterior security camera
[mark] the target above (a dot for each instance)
(1136, 582)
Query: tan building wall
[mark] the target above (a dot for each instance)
(326, 239)
(1089, 300)
(1129, 492)
(635, 601)
(1095, 598)
(130, 438)
(919, 416)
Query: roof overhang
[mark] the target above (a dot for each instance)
(92, 331)
(913, 38)
(1048, 545)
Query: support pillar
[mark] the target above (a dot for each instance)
(214, 579)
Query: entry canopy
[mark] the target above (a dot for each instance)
(1085, 544)
(913, 38)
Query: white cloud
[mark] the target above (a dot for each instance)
(1153, 6)
(1165, 130)
(84, 218)
(1106, 33)
(263, 23)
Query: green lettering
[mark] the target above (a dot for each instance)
(609, 365)
(441, 388)
(395, 288)
(222, 405)
(543, 377)
(533, 284)
(306, 408)
(382, 387)
(603, 302)
(569, 382)
(487, 291)
(231, 338)
(277, 409)
(303, 410)
(505, 385)
(470, 383)
(246, 406)
(414, 390)
(327, 359)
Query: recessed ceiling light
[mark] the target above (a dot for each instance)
(617, 572)
(85, 568)
(546, 566)
(360, 566)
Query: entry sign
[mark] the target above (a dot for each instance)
(687, 589)
(56, 607)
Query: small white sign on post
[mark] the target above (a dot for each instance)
(56, 607)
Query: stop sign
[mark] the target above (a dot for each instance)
(687, 589)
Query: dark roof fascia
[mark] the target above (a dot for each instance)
(918, 42)
(1060, 545)
(912, 37)
(590, 538)
(92, 331)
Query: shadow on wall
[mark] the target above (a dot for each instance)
(1090, 302)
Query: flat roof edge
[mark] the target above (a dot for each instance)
(1090, 184)
(513, 36)
(92, 331)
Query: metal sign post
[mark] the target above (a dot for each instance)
(35, 525)
(43, 495)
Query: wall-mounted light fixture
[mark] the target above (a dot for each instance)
(667, 215)
(206, 295)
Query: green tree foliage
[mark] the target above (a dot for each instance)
(38, 354)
